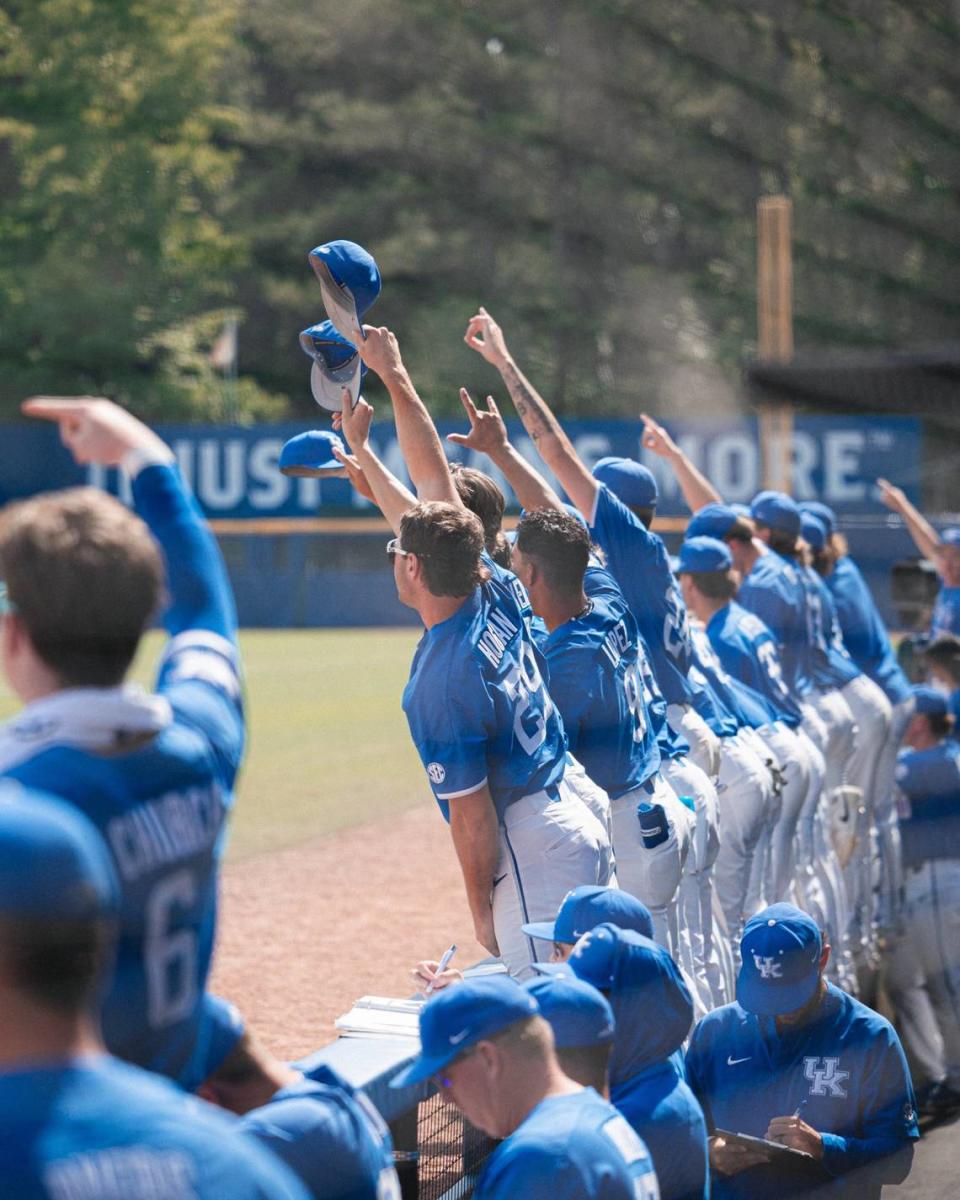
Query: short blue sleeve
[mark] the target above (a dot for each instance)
(450, 730)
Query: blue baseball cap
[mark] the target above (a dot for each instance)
(577, 1013)
(713, 520)
(611, 958)
(461, 1016)
(630, 481)
(336, 365)
(53, 862)
(823, 512)
(351, 267)
(704, 554)
(951, 536)
(586, 907)
(311, 453)
(812, 530)
(929, 702)
(777, 511)
(780, 961)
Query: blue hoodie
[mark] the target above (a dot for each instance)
(653, 1013)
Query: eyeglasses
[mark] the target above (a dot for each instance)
(443, 1082)
(394, 547)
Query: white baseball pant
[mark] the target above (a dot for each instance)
(890, 869)
(704, 743)
(548, 845)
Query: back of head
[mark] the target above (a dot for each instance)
(58, 902)
(448, 541)
(651, 1005)
(558, 544)
(583, 1028)
(778, 515)
(485, 499)
(944, 654)
(84, 577)
(631, 482)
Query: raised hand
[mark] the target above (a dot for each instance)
(656, 438)
(486, 337)
(488, 434)
(893, 497)
(354, 473)
(380, 351)
(355, 421)
(95, 430)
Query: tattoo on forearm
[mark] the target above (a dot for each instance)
(536, 417)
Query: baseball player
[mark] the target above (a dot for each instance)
(868, 643)
(653, 1012)
(872, 713)
(583, 1027)
(942, 549)
(488, 733)
(941, 658)
(799, 1062)
(635, 557)
(76, 1122)
(923, 969)
(84, 578)
(490, 1052)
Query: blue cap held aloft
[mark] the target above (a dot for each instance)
(587, 906)
(780, 961)
(630, 481)
(462, 1015)
(336, 365)
(352, 268)
(823, 512)
(713, 520)
(704, 554)
(777, 511)
(311, 454)
(577, 1013)
(929, 702)
(53, 862)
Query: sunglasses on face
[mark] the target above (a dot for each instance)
(394, 547)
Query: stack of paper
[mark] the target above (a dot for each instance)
(381, 1016)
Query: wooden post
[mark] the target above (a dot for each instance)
(775, 331)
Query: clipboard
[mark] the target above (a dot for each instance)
(772, 1151)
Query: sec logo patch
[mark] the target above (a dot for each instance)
(436, 773)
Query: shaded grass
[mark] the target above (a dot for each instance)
(328, 745)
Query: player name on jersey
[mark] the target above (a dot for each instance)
(173, 827)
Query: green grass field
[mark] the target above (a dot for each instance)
(328, 741)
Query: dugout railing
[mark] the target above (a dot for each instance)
(438, 1153)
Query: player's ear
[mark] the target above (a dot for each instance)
(824, 954)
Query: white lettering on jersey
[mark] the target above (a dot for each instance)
(178, 825)
(616, 643)
(121, 1173)
(825, 1080)
(498, 631)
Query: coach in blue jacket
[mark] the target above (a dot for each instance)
(653, 1013)
(799, 1062)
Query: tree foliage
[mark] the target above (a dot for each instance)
(587, 169)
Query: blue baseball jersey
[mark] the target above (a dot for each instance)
(596, 681)
(638, 560)
(946, 612)
(929, 803)
(832, 665)
(478, 708)
(573, 1147)
(774, 592)
(94, 1128)
(748, 707)
(670, 743)
(155, 775)
(331, 1136)
(748, 651)
(846, 1073)
(864, 633)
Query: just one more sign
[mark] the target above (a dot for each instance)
(233, 471)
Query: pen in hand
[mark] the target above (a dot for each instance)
(441, 967)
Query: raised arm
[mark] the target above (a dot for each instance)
(488, 435)
(365, 470)
(99, 431)
(486, 337)
(419, 441)
(925, 537)
(697, 490)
